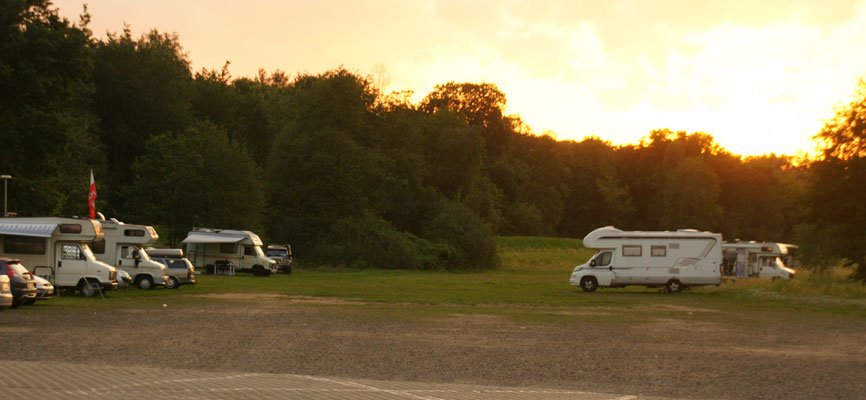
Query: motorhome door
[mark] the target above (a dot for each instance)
(127, 256)
(71, 263)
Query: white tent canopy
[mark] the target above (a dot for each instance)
(27, 229)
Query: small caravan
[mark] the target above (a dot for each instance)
(122, 247)
(228, 248)
(57, 249)
(758, 260)
(674, 260)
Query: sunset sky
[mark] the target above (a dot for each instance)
(760, 76)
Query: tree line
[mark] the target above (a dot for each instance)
(355, 177)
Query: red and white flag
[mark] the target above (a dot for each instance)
(92, 198)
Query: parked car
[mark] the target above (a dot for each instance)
(180, 269)
(282, 254)
(124, 279)
(44, 290)
(20, 280)
(5, 293)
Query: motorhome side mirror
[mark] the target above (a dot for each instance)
(592, 263)
(137, 261)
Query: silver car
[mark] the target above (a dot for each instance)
(44, 290)
(5, 293)
(180, 271)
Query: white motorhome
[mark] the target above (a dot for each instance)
(57, 249)
(122, 247)
(757, 260)
(237, 250)
(674, 260)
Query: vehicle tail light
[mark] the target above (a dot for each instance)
(4, 287)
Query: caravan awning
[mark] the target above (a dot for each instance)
(25, 229)
(201, 237)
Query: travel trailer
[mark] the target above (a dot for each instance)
(673, 260)
(757, 260)
(57, 249)
(228, 250)
(122, 247)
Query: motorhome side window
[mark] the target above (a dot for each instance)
(23, 244)
(133, 232)
(659, 251)
(248, 251)
(227, 248)
(71, 252)
(98, 246)
(70, 228)
(631, 251)
(603, 259)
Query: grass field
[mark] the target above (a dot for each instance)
(532, 283)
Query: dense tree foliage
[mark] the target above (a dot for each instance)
(47, 123)
(354, 177)
(833, 227)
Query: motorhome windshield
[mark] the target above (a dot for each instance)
(143, 254)
(85, 249)
(259, 251)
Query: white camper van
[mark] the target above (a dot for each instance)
(220, 248)
(757, 260)
(57, 249)
(122, 247)
(673, 260)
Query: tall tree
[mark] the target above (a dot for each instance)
(47, 129)
(143, 88)
(834, 225)
(198, 177)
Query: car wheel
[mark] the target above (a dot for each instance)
(674, 286)
(88, 289)
(145, 283)
(288, 269)
(589, 284)
(171, 283)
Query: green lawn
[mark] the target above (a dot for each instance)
(534, 276)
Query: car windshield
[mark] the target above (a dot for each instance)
(277, 253)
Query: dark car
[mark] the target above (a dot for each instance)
(20, 280)
(282, 254)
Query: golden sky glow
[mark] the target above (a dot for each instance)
(760, 76)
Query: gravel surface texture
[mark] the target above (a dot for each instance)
(779, 356)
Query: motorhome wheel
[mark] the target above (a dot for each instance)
(88, 289)
(588, 284)
(674, 286)
(145, 283)
(171, 283)
(258, 270)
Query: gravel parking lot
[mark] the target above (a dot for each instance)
(740, 356)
